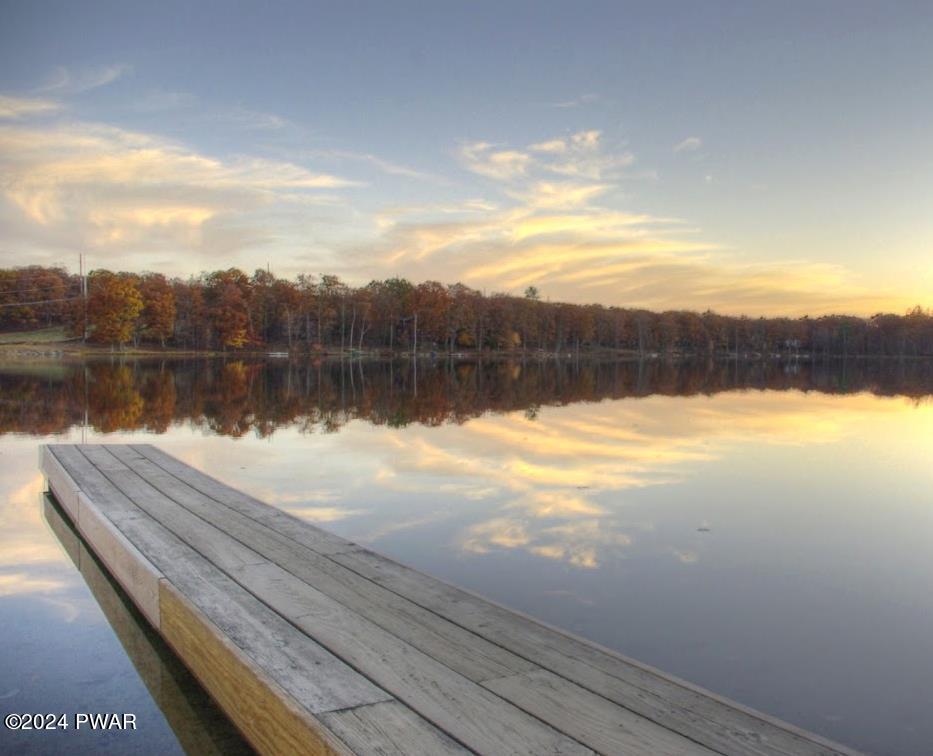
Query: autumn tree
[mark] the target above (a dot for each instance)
(227, 298)
(34, 296)
(430, 300)
(114, 304)
(192, 323)
(157, 321)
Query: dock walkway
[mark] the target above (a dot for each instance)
(313, 644)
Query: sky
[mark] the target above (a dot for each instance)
(740, 156)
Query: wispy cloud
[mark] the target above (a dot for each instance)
(585, 99)
(579, 155)
(65, 80)
(690, 144)
(112, 190)
(254, 120)
(386, 166)
(14, 108)
(561, 230)
(551, 146)
(485, 159)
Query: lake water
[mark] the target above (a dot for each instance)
(762, 530)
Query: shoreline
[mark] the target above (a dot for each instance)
(66, 350)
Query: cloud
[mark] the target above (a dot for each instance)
(561, 229)
(386, 166)
(551, 194)
(14, 108)
(585, 99)
(690, 144)
(504, 165)
(113, 191)
(323, 514)
(580, 156)
(667, 281)
(76, 81)
(551, 146)
(254, 120)
(30, 562)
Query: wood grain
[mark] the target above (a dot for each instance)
(313, 644)
(268, 716)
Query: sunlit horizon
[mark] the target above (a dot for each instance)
(763, 161)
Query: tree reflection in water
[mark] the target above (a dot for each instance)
(236, 397)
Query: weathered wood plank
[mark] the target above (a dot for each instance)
(459, 649)
(216, 546)
(389, 729)
(444, 669)
(92, 482)
(61, 484)
(699, 715)
(303, 532)
(269, 717)
(314, 678)
(593, 720)
(442, 695)
(312, 675)
(138, 576)
(473, 715)
(684, 708)
(203, 537)
(197, 722)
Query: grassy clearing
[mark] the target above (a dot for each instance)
(40, 336)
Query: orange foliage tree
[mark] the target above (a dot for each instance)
(227, 295)
(114, 304)
(158, 315)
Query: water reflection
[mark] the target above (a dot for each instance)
(27, 564)
(233, 398)
(761, 529)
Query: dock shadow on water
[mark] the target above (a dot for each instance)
(200, 727)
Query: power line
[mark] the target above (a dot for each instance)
(25, 291)
(43, 301)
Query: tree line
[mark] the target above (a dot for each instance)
(231, 310)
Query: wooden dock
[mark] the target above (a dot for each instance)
(313, 644)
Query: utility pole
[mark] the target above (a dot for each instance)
(83, 274)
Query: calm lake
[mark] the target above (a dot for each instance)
(762, 530)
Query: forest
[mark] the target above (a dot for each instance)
(229, 310)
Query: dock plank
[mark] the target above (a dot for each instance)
(272, 720)
(382, 605)
(200, 726)
(389, 728)
(309, 672)
(461, 650)
(700, 715)
(227, 605)
(592, 719)
(473, 715)
(451, 701)
(341, 650)
(304, 532)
